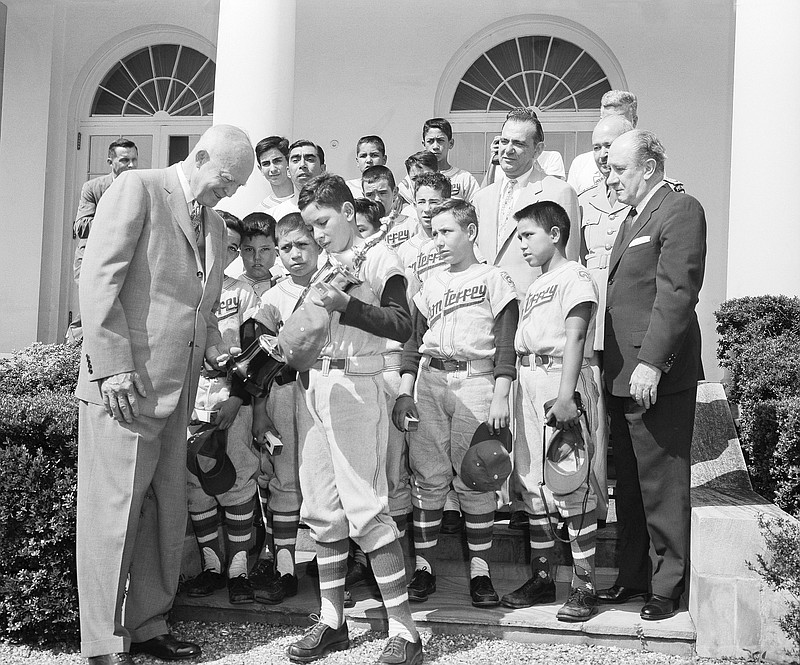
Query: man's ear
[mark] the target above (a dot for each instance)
(201, 157)
(537, 151)
(649, 168)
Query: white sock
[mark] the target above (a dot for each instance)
(422, 562)
(285, 563)
(478, 567)
(397, 628)
(238, 565)
(211, 561)
(328, 614)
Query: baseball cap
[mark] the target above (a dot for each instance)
(210, 442)
(303, 336)
(487, 463)
(566, 461)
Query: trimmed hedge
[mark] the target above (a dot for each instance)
(759, 345)
(38, 461)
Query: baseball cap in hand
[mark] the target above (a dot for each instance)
(567, 459)
(210, 442)
(487, 464)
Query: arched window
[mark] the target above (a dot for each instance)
(546, 72)
(169, 78)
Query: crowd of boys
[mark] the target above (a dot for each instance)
(472, 306)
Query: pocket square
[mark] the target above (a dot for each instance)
(641, 240)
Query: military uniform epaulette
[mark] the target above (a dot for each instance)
(675, 185)
(590, 188)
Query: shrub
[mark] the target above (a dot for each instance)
(786, 460)
(759, 439)
(40, 367)
(742, 321)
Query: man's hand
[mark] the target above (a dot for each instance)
(404, 406)
(119, 395)
(644, 384)
(217, 359)
(332, 298)
(227, 411)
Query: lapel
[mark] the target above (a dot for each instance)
(530, 193)
(599, 200)
(642, 220)
(180, 211)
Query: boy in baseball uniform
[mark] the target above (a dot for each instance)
(461, 357)
(258, 251)
(230, 405)
(554, 342)
(379, 185)
(343, 427)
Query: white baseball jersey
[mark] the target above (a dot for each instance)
(463, 183)
(461, 308)
(278, 303)
(237, 303)
(547, 303)
(285, 207)
(272, 202)
(400, 231)
(260, 287)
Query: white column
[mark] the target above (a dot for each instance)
(254, 87)
(764, 226)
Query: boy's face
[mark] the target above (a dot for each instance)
(334, 230)
(304, 164)
(453, 242)
(380, 191)
(274, 166)
(425, 200)
(298, 252)
(538, 245)
(232, 247)
(365, 229)
(436, 141)
(369, 154)
(258, 256)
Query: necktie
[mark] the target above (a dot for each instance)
(504, 215)
(196, 218)
(627, 225)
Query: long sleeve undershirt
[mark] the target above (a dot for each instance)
(391, 319)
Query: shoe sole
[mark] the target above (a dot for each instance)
(152, 655)
(486, 603)
(268, 601)
(336, 646)
(572, 619)
(420, 599)
(241, 601)
(659, 617)
(627, 599)
(521, 606)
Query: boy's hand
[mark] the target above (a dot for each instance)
(217, 359)
(404, 406)
(332, 298)
(227, 411)
(261, 425)
(499, 414)
(565, 413)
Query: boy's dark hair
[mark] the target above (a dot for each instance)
(422, 158)
(525, 114)
(372, 210)
(378, 172)
(371, 138)
(258, 224)
(438, 123)
(292, 221)
(301, 142)
(463, 212)
(438, 181)
(272, 142)
(326, 190)
(231, 221)
(547, 214)
(121, 142)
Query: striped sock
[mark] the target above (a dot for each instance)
(479, 541)
(426, 532)
(206, 529)
(583, 547)
(541, 541)
(401, 522)
(285, 539)
(390, 573)
(239, 522)
(266, 516)
(332, 562)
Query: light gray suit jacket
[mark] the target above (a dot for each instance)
(147, 297)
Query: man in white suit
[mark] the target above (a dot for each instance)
(150, 282)
(521, 183)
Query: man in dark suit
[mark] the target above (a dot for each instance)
(652, 365)
(150, 283)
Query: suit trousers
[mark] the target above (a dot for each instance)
(131, 524)
(652, 460)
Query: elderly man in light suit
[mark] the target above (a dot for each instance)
(151, 278)
(522, 182)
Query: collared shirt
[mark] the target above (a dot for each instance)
(640, 206)
(187, 190)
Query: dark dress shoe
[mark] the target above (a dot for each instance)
(518, 520)
(452, 522)
(482, 592)
(581, 604)
(166, 647)
(240, 591)
(312, 569)
(535, 591)
(659, 607)
(619, 594)
(263, 574)
(319, 640)
(204, 584)
(422, 585)
(111, 659)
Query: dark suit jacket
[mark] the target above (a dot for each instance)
(655, 275)
(147, 296)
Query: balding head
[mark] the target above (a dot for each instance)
(620, 102)
(636, 160)
(220, 163)
(608, 129)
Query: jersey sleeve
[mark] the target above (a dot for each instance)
(382, 262)
(579, 287)
(501, 290)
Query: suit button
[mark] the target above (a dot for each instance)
(189, 344)
(609, 245)
(609, 308)
(200, 274)
(611, 232)
(610, 281)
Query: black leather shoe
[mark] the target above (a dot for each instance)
(204, 584)
(319, 640)
(399, 651)
(452, 522)
(312, 569)
(518, 520)
(263, 574)
(166, 647)
(289, 584)
(240, 591)
(482, 592)
(535, 591)
(359, 575)
(422, 585)
(111, 659)
(581, 604)
(619, 594)
(659, 607)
